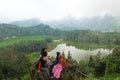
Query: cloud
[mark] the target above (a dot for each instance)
(56, 9)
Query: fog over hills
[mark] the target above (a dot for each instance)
(102, 23)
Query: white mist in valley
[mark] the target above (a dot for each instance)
(79, 54)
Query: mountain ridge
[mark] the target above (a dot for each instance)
(27, 22)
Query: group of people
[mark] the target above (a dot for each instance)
(54, 69)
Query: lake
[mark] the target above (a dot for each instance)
(79, 54)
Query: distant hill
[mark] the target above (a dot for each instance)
(11, 31)
(100, 23)
(27, 23)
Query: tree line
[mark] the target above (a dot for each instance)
(87, 36)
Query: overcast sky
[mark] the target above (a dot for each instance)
(11, 10)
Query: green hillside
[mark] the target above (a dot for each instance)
(8, 30)
(25, 38)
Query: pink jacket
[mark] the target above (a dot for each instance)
(57, 70)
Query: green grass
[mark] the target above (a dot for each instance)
(26, 38)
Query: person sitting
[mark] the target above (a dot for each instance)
(44, 61)
(56, 59)
(57, 68)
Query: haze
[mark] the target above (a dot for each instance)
(46, 10)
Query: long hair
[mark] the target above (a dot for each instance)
(43, 52)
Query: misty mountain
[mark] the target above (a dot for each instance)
(68, 23)
(27, 23)
(104, 23)
(100, 23)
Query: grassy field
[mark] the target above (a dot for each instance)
(26, 38)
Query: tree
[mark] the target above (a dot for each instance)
(14, 65)
(69, 55)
